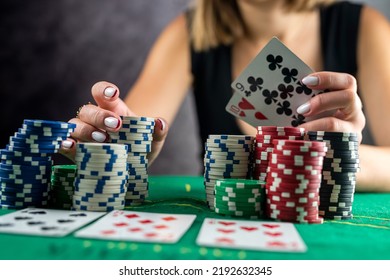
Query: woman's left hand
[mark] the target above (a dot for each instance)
(341, 97)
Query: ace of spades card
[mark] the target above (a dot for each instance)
(269, 90)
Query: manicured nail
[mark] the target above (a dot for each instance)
(67, 144)
(109, 92)
(303, 109)
(111, 122)
(310, 80)
(162, 123)
(98, 136)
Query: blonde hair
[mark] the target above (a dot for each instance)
(216, 22)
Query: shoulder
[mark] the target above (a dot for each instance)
(177, 29)
(374, 29)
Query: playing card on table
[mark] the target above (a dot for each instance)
(139, 226)
(271, 83)
(45, 222)
(250, 235)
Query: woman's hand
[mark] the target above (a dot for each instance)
(341, 98)
(93, 122)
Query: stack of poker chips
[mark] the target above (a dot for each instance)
(26, 163)
(239, 198)
(226, 156)
(341, 163)
(264, 147)
(62, 186)
(100, 183)
(137, 134)
(294, 180)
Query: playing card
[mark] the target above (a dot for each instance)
(272, 84)
(250, 235)
(241, 108)
(45, 222)
(139, 226)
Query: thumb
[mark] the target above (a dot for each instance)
(106, 96)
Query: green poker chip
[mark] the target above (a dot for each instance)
(240, 183)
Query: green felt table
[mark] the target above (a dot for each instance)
(365, 237)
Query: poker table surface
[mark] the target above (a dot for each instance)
(365, 237)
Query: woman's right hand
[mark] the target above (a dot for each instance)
(94, 121)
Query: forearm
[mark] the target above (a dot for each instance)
(374, 175)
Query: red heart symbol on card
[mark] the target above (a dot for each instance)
(249, 228)
(169, 218)
(121, 224)
(150, 235)
(276, 244)
(226, 230)
(108, 232)
(260, 116)
(227, 223)
(270, 226)
(135, 229)
(160, 226)
(242, 114)
(274, 234)
(224, 240)
(131, 216)
(145, 222)
(244, 104)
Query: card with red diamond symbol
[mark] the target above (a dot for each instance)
(139, 227)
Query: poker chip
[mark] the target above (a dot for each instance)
(341, 163)
(239, 197)
(137, 134)
(100, 183)
(226, 156)
(26, 163)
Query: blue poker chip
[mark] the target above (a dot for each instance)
(24, 140)
(125, 125)
(98, 204)
(234, 137)
(99, 183)
(228, 149)
(108, 167)
(42, 133)
(92, 195)
(97, 190)
(48, 123)
(40, 137)
(86, 208)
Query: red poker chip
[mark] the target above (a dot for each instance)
(288, 196)
(297, 158)
(281, 128)
(295, 173)
(290, 203)
(301, 221)
(294, 152)
(285, 193)
(293, 184)
(299, 143)
(283, 165)
(292, 217)
(288, 213)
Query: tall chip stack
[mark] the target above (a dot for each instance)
(264, 147)
(101, 181)
(294, 180)
(341, 163)
(26, 163)
(62, 186)
(226, 156)
(137, 134)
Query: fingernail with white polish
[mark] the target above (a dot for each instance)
(304, 108)
(111, 122)
(310, 80)
(67, 144)
(109, 92)
(98, 136)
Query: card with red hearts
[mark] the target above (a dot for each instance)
(139, 226)
(250, 235)
(269, 90)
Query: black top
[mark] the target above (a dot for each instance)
(212, 69)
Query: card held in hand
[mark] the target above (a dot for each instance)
(269, 90)
(250, 235)
(45, 222)
(139, 226)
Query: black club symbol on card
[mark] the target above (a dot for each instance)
(270, 96)
(285, 91)
(255, 83)
(289, 74)
(302, 88)
(297, 120)
(284, 108)
(274, 61)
